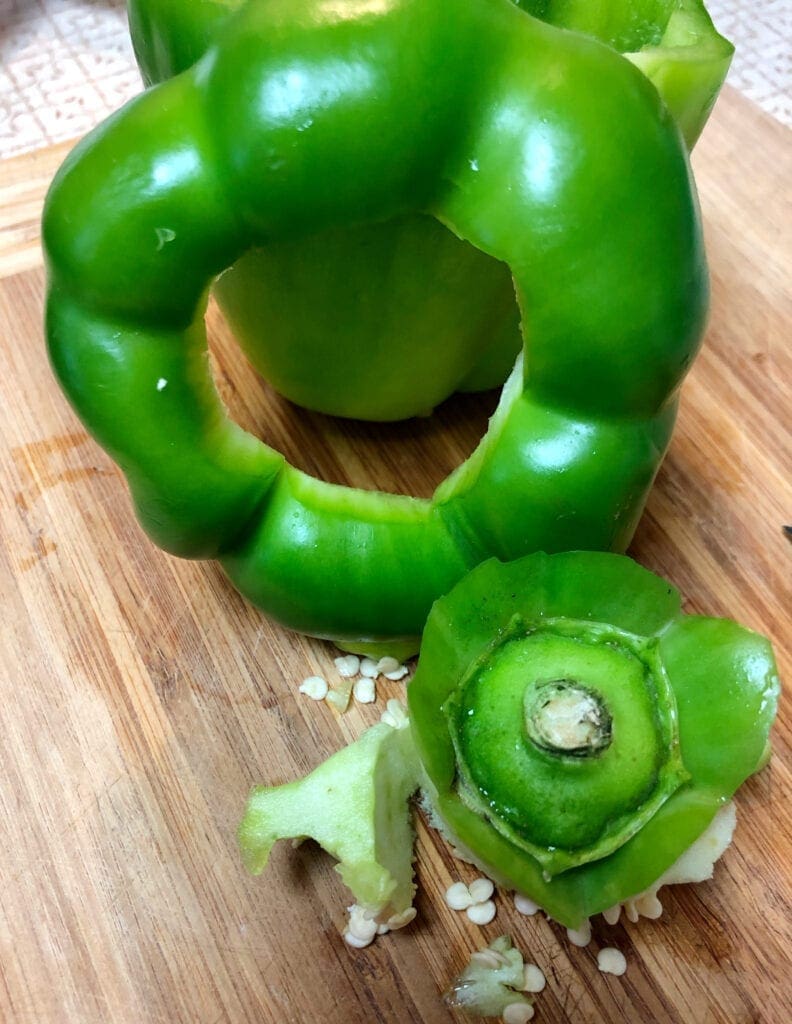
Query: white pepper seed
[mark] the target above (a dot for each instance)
(364, 691)
(580, 936)
(348, 666)
(534, 979)
(611, 961)
(486, 958)
(525, 906)
(518, 1013)
(395, 715)
(649, 906)
(481, 913)
(481, 890)
(458, 896)
(612, 914)
(360, 927)
(397, 921)
(314, 687)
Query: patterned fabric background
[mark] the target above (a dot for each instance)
(65, 64)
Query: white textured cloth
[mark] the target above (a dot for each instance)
(762, 66)
(66, 64)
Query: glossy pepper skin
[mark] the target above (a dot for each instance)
(543, 149)
(577, 731)
(392, 318)
(673, 42)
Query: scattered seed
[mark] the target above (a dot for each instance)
(401, 920)
(534, 979)
(518, 1013)
(525, 906)
(391, 668)
(314, 687)
(612, 914)
(481, 913)
(580, 936)
(611, 961)
(365, 691)
(395, 715)
(649, 906)
(631, 911)
(348, 666)
(486, 958)
(481, 890)
(360, 930)
(458, 896)
(368, 668)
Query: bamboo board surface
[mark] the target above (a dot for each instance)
(141, 697)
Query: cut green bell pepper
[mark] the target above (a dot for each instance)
(543, 149)
(577, 731)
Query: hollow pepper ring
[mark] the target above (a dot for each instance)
(542, 148)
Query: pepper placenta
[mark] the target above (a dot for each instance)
(354, 805)
(577, 731)
(540, 148)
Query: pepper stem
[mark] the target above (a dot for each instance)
(563, 717)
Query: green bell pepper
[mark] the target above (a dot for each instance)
(392, 318)
(543, 149)
(577, 731)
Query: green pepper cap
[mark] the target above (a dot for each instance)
(577, 731)
(566, 739)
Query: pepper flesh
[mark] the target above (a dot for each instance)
(602, 846)
(552, 181)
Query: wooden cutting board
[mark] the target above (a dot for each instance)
(141, 696)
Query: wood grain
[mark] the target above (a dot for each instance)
(140, 697)
(23, 183)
